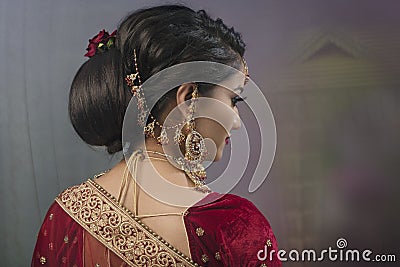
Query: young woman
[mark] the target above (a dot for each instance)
(112, 220)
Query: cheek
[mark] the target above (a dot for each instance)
(215, 114)
(211, 129)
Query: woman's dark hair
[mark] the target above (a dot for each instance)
(162, 37)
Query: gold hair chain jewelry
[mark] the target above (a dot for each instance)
(133, 80)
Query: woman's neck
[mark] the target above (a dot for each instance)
(161, 164)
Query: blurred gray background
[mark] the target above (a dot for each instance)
(330, 71)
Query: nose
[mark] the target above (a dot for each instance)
(236, 120)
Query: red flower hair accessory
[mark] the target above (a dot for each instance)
(100, 43)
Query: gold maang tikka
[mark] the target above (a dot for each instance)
(246, 71)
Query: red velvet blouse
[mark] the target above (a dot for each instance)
(227, 231)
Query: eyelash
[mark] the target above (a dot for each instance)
(237, 99)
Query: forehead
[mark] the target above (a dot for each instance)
(236, 82)
(239, 83)
(218, 90)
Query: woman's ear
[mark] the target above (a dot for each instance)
(184, 93)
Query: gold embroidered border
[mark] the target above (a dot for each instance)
(117, 229)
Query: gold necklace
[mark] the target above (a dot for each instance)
(150, 157)
(194, 171)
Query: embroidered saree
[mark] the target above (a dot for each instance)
(86, 226)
